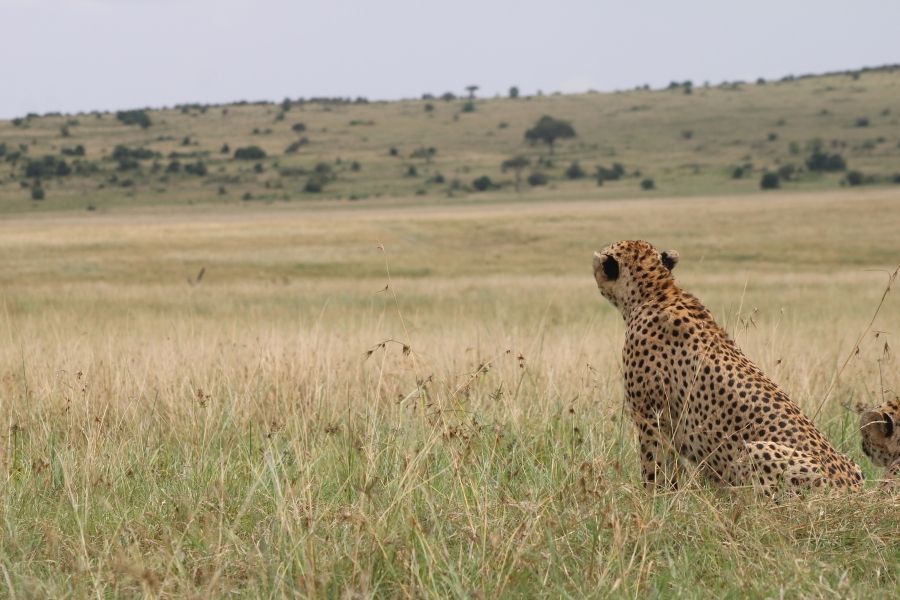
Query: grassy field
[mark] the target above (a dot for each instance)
(377, 399)
(688, 144)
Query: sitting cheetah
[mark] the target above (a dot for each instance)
(692, 392)
(881, 440)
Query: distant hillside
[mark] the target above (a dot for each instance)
(809, 132)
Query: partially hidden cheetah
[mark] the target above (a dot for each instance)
(880, 429)
(692, 393)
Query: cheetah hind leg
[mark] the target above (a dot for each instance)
(769, 467)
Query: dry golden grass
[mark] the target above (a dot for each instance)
(297, 422)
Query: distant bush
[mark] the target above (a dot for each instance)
(482, 183)
(468, 106)
(134, 117)
(786, 172)
(575, 171)
(173, 167)
(854, 178)
(820, 161)
(47, 166)
(772, 136)
(37, 193)
(121, 152)
(393, 151)
(862, 122)
(769, 181)
(429, 107)
(648, 184)
(355, 166)
(896, 178)
(687, 134)
(225, 149)
(128, 164)
(439, 178)
(258, 168)
(298, 127)
(537, 178)
(294, 147)
(614, 174)
(548, 130)
(249, 153)
(737, 173)
(198, 168)
(513, 92)
(76, 151)
(2, 149)
(448, 96)
(411, 171)
(314, 185)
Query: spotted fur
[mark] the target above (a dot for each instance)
(693, 394)
(880, 429)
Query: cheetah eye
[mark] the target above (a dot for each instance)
(611, 268)
(888, 425)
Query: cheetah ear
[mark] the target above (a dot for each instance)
(669, 259)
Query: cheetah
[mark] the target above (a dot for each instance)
(881, 441)
(693, 394)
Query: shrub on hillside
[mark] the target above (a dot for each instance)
(537, 178)
(606, 174)
(769, 181)
(786, 172)
(548, 130)
(648, 184)
(314, 185)
(249, 153)
(575, 171)
(76, 151)
(854, 178)
(198, 168)
(821, 161)
(37, 193)
(294, 147)
(47, 166)
(134, 117)
(121, 152)
(482, 183)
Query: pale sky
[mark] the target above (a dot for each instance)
(79, 55)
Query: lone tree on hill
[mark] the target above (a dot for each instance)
(548, 130)
(513, 92)
(517, 164)
(471, 89)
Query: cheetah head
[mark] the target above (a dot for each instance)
(880, 429)
(629, 273)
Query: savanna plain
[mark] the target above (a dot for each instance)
(421, 395)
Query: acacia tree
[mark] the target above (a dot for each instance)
(471, 89)
(517, 164)
(548, 130)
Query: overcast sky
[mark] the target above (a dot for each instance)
(72, 55)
